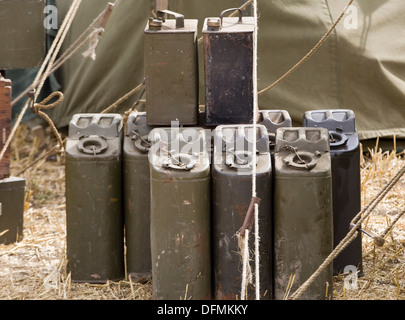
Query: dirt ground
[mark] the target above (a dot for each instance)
(35, 268)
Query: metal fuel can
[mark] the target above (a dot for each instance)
(22, 35)
(180, 214)
(303, 212)
(228, 60)
(94, 214)
(136, 179)
(232, 170)
(346, 179)
(12, 197)
(171, 67)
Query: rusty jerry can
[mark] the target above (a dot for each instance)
(136, 179)
(228, 59)
(180, 214)
(171, 70)
(22, 35)
(346, 179)
(12, 196)
(303, 212)
(94, 215)
(232, 171)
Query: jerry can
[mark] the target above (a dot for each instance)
(171, 70)
(228, 61)
(303, 212)
(180, 214)
(346, 179)
(94, 214)
(232, 171)
(22, 35)
(12, 196)
(136, 179)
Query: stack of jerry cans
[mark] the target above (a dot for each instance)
(180, 214)
(137, 196)
(171, 68)
(345, 154)
(303, 212)
(95, 231)
(232, 170)
(228, 57)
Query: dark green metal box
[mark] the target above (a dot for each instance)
(12, 196)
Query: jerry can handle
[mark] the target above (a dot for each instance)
(221, 16)
(179, 17)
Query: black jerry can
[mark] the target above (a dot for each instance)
(346, 179)
(303, 212)
(94, 214)
(180, 214)
(232, 171)
(228, 61)
(136, 180)
(171, 70)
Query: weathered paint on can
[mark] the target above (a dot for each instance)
(180, 214)
(232, 171)
(94, 215)
(346, 179)
(303, 212)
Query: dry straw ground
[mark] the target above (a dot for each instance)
(35, 269)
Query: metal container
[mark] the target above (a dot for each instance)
(346, 179)
(136, 179)
(5, 125)
(303, 212)
(94, 221)
(228, 57)
(22, 35)
(12, 196)
(232, 171)
(171, 67)
(180, 214)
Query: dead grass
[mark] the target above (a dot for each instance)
(35, 268)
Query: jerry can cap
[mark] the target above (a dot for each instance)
(93, 145)
(178, 24)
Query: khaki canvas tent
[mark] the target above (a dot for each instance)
(360, 67)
